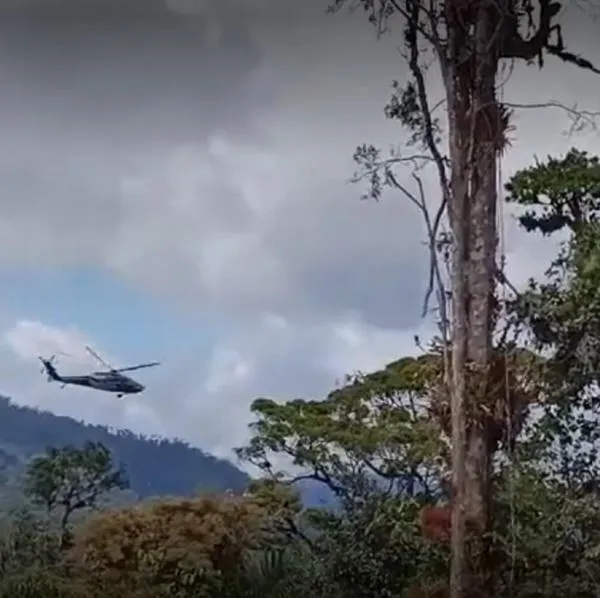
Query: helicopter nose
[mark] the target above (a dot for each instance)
(139, 387)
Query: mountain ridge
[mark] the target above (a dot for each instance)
(155, 466)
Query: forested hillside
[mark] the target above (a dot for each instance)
(154, 466)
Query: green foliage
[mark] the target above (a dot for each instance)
(375, 548)
(283, 504)
(553, 542)
(562, 312)
(558, 193)
(374, 443)
(72, 479)
(376, 424)
(27, 541)
(548, 536)
(30, 558)
(288, 572)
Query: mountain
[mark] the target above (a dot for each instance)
(155, 466)
(315, 494)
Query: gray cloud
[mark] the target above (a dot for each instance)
(111, 111)
(134, 138)
(122, 72)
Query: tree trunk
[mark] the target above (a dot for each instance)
(473, 133)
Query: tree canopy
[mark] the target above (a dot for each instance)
(170, 545)
(71, 479)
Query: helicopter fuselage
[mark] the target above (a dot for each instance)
(107, 381)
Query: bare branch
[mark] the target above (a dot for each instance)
(386, 164)
(502, 279)
(380, 12)
(514, 46)
(431, 37)
(435, 276)
(579, 118)
(430, 142)
(415, 69)
(374, 166)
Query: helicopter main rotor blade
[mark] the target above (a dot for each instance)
(94, 354)
(138, 367)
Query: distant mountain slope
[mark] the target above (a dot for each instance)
(155, 466)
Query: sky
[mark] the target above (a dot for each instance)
(175, 187)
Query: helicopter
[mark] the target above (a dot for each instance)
(111, 380)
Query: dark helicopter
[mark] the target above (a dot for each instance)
(111, 380)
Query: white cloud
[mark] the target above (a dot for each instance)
(20, 346)
(29, 339)
(207, 405)
(229, 370)
(281, 360)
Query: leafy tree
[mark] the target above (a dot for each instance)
(370, 545)
(284, 505)
(178, 547)
(562, 312)
(389, 429)
(377, 549)
(380, 444)
(284, 572)
(26, 541)
(72, 479)
(546, 537)
(376, 427)
(30, 558)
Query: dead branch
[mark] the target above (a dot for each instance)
(411, 40)
(580, 119)
(417, 73)
(430, 36)
(415, 160)
(502, 279)
(512, 43)
(435, 278)
(380, 12)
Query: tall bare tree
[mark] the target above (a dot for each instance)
(470, 40)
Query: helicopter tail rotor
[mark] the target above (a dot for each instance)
(48, 367)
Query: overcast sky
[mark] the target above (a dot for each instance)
(175, 186)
